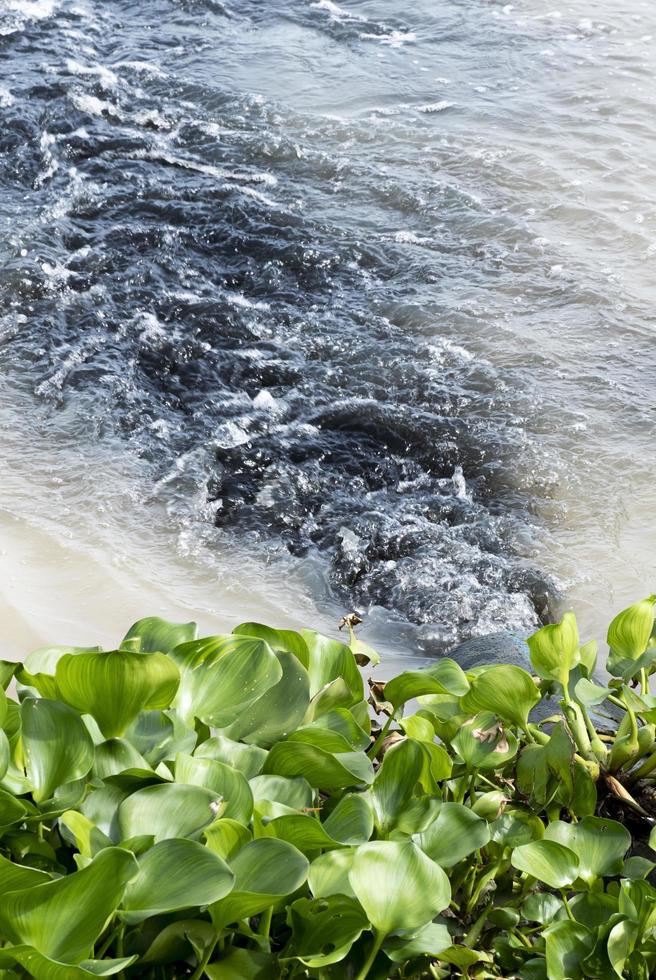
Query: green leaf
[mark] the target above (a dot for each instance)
(432, 940)
(589, 693)
(456, 833)
(443, 677)
(248, 759)
(14, 877)
(159, 636)
(12, 810)
(115, 756)
(266, 870)
(506, 690)
(484, 742)
(323, 770)
(175, 875)
(554, 649)
(599, 844)
(548, 861)
(115, 687)
(282, 641)
(62, 919)
(330, 660)
(324, 929)
(280, 710)
(228, 784)
(167, 810)
(542, 907)
(621, 942)
(398, 886)
(629, 632)
(293, 792)
(226, 837)
(515, 827)
(83, 832)
(57, 746)
(352, 820)
(329, 873)
(45, 968)
(221, 676)
(177, 940)
(567, 945)
(244, 964)
(395, 783)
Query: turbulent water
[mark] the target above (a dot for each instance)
(367, 287)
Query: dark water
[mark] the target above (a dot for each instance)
(283, 251)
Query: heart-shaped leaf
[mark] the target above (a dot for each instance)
(279, 710)
(599, 844)
(62, 919)
(395, 783)
(506, 690)
(45, 968)
(324, 770)
(484, 742)
(548, 861)
(398, 886)
(443, 677)
(265, 871)
(554, 649)
(175, 875)
(167, 810)
(156, 635)
(282, 641)
(324, 929)
(115, 687)
(221, 676)
(248, 759)
(456, 833)
(57, 746)
(228, 784)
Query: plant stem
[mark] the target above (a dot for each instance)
(207, 955)
(373, 751)
(644, 683)
(369, 962)
(570, 914)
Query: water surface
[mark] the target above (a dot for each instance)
(356, 299)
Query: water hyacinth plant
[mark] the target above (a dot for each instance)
(243, 806)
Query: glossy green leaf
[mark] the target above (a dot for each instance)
(175, 875)
(57, 746)
(324, 770)
(44, 968)
(432, 940)
(567, 945)
(599, 844)
(221, 676)
(227, 783)
(244, 964)
(280, 710)
(395, 783)
(554, 649)
(456, 833)
(324, 929)
(62, 919)
(330, 660)
(167, 810)
(156, 635)
(329, 873)
(484, 742)
(506, 690)
(548, 861)
(629, 632)
(352, 820)
(14, 877)
(114, 756)
(248, 759)
(443, 677)
(178, 940)
(266, 870)
(226, 837)
(115, 687)
(294, 792)
(282, 641)
(398, 886)
(88, 838)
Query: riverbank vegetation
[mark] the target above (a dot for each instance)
(246, 806)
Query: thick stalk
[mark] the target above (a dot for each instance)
(369, 962)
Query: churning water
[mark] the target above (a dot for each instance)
(360, 294)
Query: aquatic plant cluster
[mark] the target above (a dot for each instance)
(242, 806)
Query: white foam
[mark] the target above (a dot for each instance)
(105, 76)
(6, 98)
(431, 107)
(395, 39)
(92, 105)
(335, 11)
(410, 238)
